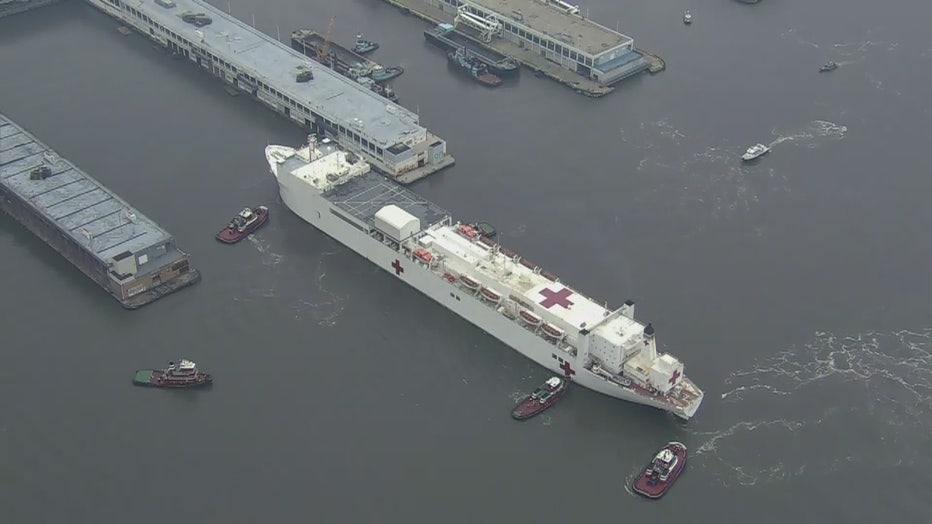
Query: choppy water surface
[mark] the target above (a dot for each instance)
(797, 289)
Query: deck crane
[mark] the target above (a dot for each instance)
(325, 50)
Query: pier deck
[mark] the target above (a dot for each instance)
(251, 61)
(118, 247)
(528, 57)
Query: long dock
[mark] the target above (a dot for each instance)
(550, 37)
(116, 246)
(309, 94)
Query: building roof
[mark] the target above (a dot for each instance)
(87, 211)
(549, 18)
(276, 64)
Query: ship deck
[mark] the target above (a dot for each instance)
(454, 39)
(312, 38)
(77, 204)
(363, 196)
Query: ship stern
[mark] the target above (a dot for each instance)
(690, 399)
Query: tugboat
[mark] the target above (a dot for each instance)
(542, 398)
(247, 221)
(474, 67)
(687, 17)
(661, 472)
(831, 66)
(755, 151)
(384, 74)
(485, 229)
(184, 375)
(363, 46)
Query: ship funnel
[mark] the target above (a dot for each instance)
(628, 309)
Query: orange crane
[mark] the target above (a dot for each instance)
(323, 52)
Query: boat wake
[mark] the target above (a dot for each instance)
(269, 257)
(324, 306)
(812, 135)
(836, 401)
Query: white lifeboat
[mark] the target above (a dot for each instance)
(490, 295)
(529, 318)
(469, 283)
(423, 255)
(467, 231)
(553, 331)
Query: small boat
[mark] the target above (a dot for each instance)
(542, 398)
(755, 151)
(183, 375)
(661, 472)
(384, 74)
(423, 255)
(553, 331)
(490, 295)
(476, 69)
(530, 318)
(687, 17)
(469, 283)
(466, 231)
(364, 46)
(247, 221)
(484, 229)
(831, 66)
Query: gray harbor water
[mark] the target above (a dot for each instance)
(797, 290)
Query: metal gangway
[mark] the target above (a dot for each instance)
(487, 27)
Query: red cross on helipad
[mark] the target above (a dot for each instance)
(567, 370)
(552, 298)
(398, 269)
(676, 375)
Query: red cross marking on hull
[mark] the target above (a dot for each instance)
(567, 370)
(398, 269)
(675, 377)
(553, 298)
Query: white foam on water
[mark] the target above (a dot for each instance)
(329, 305)
(870, 394)
(269, 257)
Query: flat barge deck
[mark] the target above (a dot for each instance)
(346, 62)
(116, 246)
(446, 37)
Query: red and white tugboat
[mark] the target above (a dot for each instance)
(542, 398)
(243, 224)
(662, 471)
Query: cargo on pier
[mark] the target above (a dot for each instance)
(126, 253)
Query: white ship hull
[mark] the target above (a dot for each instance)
(305, 202)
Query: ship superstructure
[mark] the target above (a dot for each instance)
(503, 293)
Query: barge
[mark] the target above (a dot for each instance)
(446, 37)
(116, 246)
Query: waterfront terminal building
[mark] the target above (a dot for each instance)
(385, 134)
(556, 30)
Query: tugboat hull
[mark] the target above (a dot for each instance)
(654, 489)
(532, 405)
(229, 235)
(157, 378)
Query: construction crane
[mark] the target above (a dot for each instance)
(325, 50)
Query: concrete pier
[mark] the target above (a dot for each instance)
(538, 34)
(116, 246)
